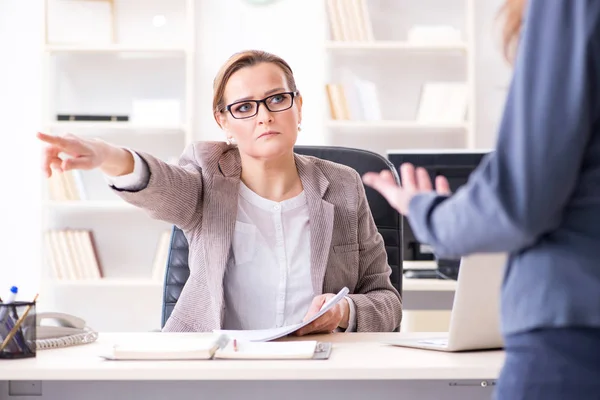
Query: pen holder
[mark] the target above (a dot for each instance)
(17, 330)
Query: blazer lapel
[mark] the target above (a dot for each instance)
(219, 222)
(321, 214)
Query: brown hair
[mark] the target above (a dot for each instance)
(512, 12)
(241, 60)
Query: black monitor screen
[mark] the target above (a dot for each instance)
(455, 166)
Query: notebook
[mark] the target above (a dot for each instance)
(167, 346)
(305, 350)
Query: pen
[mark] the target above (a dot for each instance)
(15, 328)
(6, 322)
(235, 348)
(11, 299)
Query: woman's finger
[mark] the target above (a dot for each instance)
(52, 139)
(390, 190)
(55, 165)
(407, 176)
(69, 145)
(442, 186)
(423, 180)
(387, 176)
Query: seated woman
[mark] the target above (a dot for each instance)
(272, 234)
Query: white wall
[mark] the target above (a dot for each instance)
(291, 29)
(20, 113)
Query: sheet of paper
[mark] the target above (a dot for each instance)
(269, 350)
(265, 335)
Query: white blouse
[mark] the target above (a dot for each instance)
(267, 281)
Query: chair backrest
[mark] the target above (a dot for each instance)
(387, 220)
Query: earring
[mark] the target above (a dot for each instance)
(230, 141)
(299, 127)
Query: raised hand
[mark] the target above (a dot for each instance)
(414, 181)
(68, 152)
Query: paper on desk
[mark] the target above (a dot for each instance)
(265, 335)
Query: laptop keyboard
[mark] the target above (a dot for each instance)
(442, 342)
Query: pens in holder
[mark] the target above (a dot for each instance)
(6, 321)
(15, 328)
(235, 346)
(11, 299)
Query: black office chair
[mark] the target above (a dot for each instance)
(387, 220)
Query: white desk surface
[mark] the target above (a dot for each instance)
(428, 285)
(419, 265)
(355, 356)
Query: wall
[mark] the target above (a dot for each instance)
(291, 29)
(20, 113)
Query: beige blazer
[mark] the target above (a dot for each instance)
(201, 196)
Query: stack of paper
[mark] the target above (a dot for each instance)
(169, 347)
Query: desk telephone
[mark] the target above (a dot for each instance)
(54, 329)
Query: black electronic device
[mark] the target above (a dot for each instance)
(456, 166)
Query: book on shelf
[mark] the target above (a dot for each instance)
(443, 102)
(66, 186)
(349, 20)
(72, 255)
(338, 106)
(161, 256)
(92, 118)
(353, 99)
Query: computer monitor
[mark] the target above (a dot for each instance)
(455, 165)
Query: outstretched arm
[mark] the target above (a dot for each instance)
(172, 193)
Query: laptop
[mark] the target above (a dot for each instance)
(475, 318)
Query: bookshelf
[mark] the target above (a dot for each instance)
(116, 48)
(395, 45)
(103, 258)
(400, 74)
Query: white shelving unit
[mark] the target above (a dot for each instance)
(397, 68)
(105, 79)
(394, 45)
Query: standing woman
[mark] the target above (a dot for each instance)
(536, 197)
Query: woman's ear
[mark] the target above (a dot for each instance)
(221, 120)
(298, 103)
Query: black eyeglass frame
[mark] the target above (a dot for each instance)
(263, 101)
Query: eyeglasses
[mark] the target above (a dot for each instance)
(274, 103)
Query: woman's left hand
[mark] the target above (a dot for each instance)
(337, 316)
(414, 181)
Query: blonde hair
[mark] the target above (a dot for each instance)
(512, 12)
(241, 60)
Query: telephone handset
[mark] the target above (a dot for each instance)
(55, 329)
(61, 324)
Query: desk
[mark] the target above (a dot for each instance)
(428, 285)
(360, 367)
